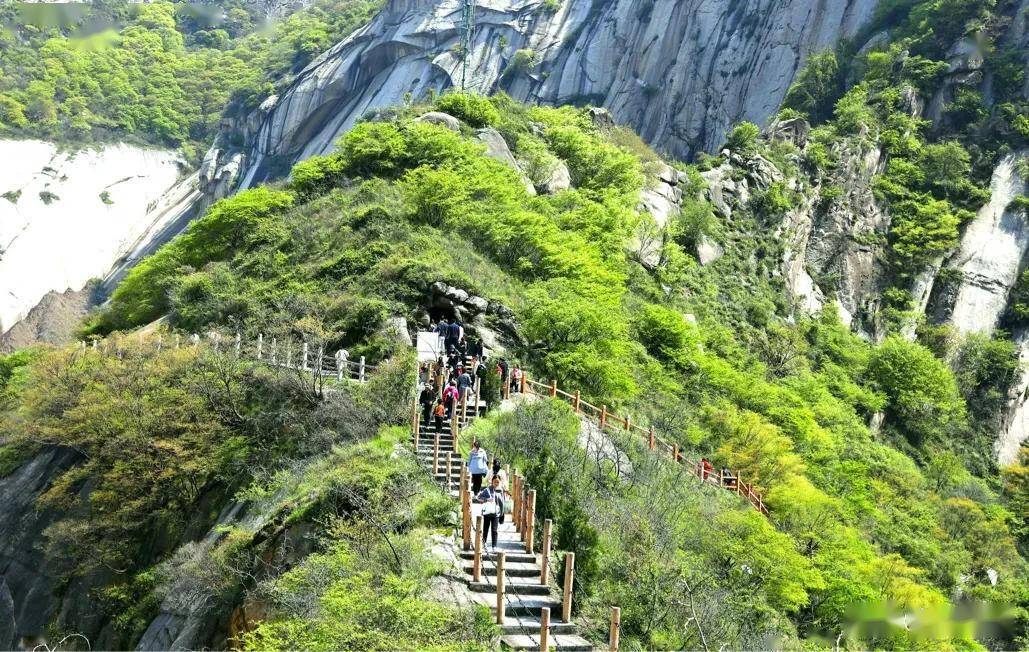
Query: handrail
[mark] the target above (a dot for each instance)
(265, 352)
(730, 482)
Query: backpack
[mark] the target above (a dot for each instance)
(438, 410)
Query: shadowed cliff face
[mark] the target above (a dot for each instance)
(680, 72)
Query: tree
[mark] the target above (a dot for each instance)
(922, 395)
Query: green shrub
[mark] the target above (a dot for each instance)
(372, 148)
(743, 139)
(317, 175)
(476, 110)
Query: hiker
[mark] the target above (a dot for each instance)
(464, 382)
(516, 379)
(475, 347)
(442, 330)
(437, 413)
(497, 471)
(477, 466)
(450, 398)
(453, 335)
(502, 370)
(492, 500)
(728, 479)
(341, 361)
(706, 469)
(425, 399)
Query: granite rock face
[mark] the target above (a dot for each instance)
(679, 72)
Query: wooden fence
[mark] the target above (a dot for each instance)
(299, 355)
(732, 481)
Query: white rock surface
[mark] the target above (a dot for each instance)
(991, 253)
(76, 236)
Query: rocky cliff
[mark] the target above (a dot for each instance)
(680, 73)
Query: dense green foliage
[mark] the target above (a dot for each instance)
(361, 234)
(161, 73)
(370, 588)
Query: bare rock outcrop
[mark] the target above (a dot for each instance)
(680, 72)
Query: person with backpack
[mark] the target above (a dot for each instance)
(450, 398)
(442, 330)
(492, 500)
(437, 414)
(425, 399)
(477, 461)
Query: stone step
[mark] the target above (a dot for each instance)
(531, 625)
(512, 557)
(513, 585)
(522, 606)
(562, 642)
(511, 569)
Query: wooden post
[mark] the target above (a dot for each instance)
(523, 382)
(477, 560)
(318, 364)
(275, 350)
(507, 386)
(289, 354)
(415, 416)
(466, 512)
(544, 629)
(464, 408)
(675, 452)
(239, 342)
(578, 399)
(303, 361)
(455, 428)
(217, 341)
(360, 371)
(435, 456)
(603, 416)
(523, 501)
(545, 559)
(616, 626)
(260, 344)
(566, 603)
(553, 387)
(530, 520)
(516, 483)
(176, 341)
(450, 465)
(650, 442)
(627, 423)
(501, 558)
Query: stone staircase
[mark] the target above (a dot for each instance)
(525, 596)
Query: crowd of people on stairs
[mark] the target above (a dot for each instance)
(457, 373)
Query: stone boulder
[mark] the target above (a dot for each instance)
(497, 149)
(441, 119)
(396, 328)
(560, 179)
